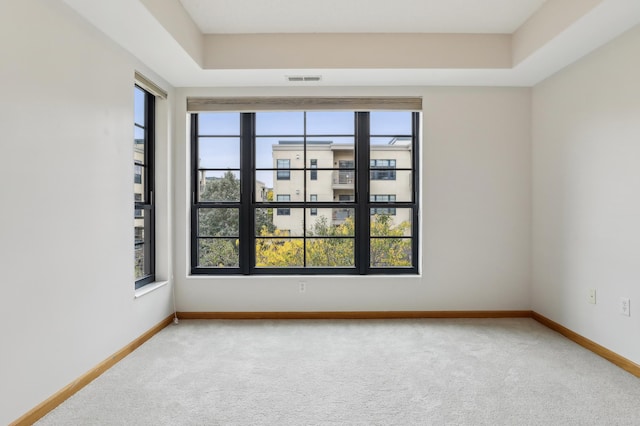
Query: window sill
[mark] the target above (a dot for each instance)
(149, 288)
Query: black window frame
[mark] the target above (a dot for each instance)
(362, 204)
(146, 203)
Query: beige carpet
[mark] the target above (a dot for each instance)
(353, 372)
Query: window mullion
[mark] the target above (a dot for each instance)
(362, 192)
(247, 232)
(415, 127)
(194, 189)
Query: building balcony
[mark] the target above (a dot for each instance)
(343, 179)
(338, 216)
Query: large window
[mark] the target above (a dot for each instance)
(287, 192)
(143, 220)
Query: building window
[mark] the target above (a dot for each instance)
(313, 164)
(280, 223)
(385, 169)
(383, 198)
(137, 172)
(282, 198)
(284, 164)
(143, 186)
(313, 211)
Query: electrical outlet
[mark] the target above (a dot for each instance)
(591, 296)
(625, 306)
(302, 286)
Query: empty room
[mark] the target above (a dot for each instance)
(344, 212)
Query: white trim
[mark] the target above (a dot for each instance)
(149, 288)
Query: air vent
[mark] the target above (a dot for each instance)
(294, 78)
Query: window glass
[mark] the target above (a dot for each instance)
(143, 181)
(301, 198)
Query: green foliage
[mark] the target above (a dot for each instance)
(336, 252)
(219, 253)
(220, 222)
(274, 252)
(389, 252)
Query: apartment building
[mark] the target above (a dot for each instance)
(334, 180)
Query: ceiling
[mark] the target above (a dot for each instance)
(258, 43)
(360, 16)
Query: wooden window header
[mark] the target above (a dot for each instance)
(149, 86)
(250, 104)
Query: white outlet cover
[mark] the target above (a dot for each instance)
(625, 306)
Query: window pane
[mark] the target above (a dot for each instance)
(218, 222)
(330, 122)
(390, 252)
(219, 185)
(323, 186)
(139, 106)
(390, 123)
(219, 123)
(138, 137)
(332, 222)
(280, 123)
(269, 149)
(264, 222)
(330, 252)
(397, 182)
(142, 244)
(219, 153)
(343, 219)
(218, 252)
(279, 252)
(387, 225)
(139, 262)
(292, 186)
(138, 179)
(264, 187)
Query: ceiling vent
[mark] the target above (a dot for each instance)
(296, 78)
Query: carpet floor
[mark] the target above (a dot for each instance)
(357, 372)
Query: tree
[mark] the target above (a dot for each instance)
(331, 251)
(219, 222)
(219, 253)
(389, 251)
(264, 217)
(279, 251)
(333, 245)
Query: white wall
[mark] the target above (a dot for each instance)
(66, 252)
(586, 195)
(475, 239)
